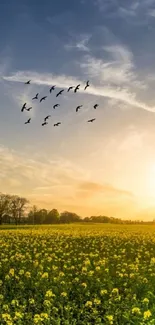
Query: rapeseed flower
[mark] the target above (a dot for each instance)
(147, 314)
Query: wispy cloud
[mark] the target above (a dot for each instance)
(117, 92)
(90, 188)
(35, 173)
(81, 44)
(53, 181)
(118, 69)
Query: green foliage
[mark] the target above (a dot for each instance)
(67, 217)
(52, 217)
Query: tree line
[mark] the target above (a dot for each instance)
(16, 210)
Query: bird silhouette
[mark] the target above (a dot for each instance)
(56, 105)
(77, 88)
(70, 88)
(93, 119)
(47, 117)
(60, 92)
(52, 88)
(36, 96)
(23, 107)
(78, 107)
(87, 85)
(43, 98)
(28, 82)
(28, 109)
(56, 124)
(28, 121)
(44, 123)
(96, 105)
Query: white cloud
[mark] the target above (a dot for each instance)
(118, 69)
(36, 173)
(119, 93)
(80, 44)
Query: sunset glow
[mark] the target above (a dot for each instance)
(102, 168)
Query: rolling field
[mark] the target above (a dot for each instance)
(77, 274)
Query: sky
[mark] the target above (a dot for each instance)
(102, 168)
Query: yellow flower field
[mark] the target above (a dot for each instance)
(77, 274)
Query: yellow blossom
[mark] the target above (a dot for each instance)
(12, 272)
(28, 275)
(103, 292)
(64, 294)
(145, 301)
(110, 318)
(45, 275)
(115, 291)
(136, 310)
(97, 301)
(49, 294)
(88, 304)
(84, 285)
(147, 314)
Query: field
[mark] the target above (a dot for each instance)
(77, 274)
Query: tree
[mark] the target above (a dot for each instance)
(86, 219)
(52, 217)
(5, 200)
(67, 217)
(41, 216)
(18, 207)
(32, 215)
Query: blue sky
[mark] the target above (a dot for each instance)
(103, 167)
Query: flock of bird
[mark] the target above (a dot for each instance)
(56, 105)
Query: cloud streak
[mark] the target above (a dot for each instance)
(64, 81)
(53, 181)
(90, 188)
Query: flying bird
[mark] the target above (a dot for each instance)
(77, 88)
(47, 117)
(28, 82)
(23, 107)
(52, 88)
(96, 105)
(93, 119)
(28, 121)
(60, 92)
(43, 98)
(70, 88)
(56, 124)
(56, 105)
(78, 107)
(44, 123)
(28, 109)
(36, 96)
(87, 85)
